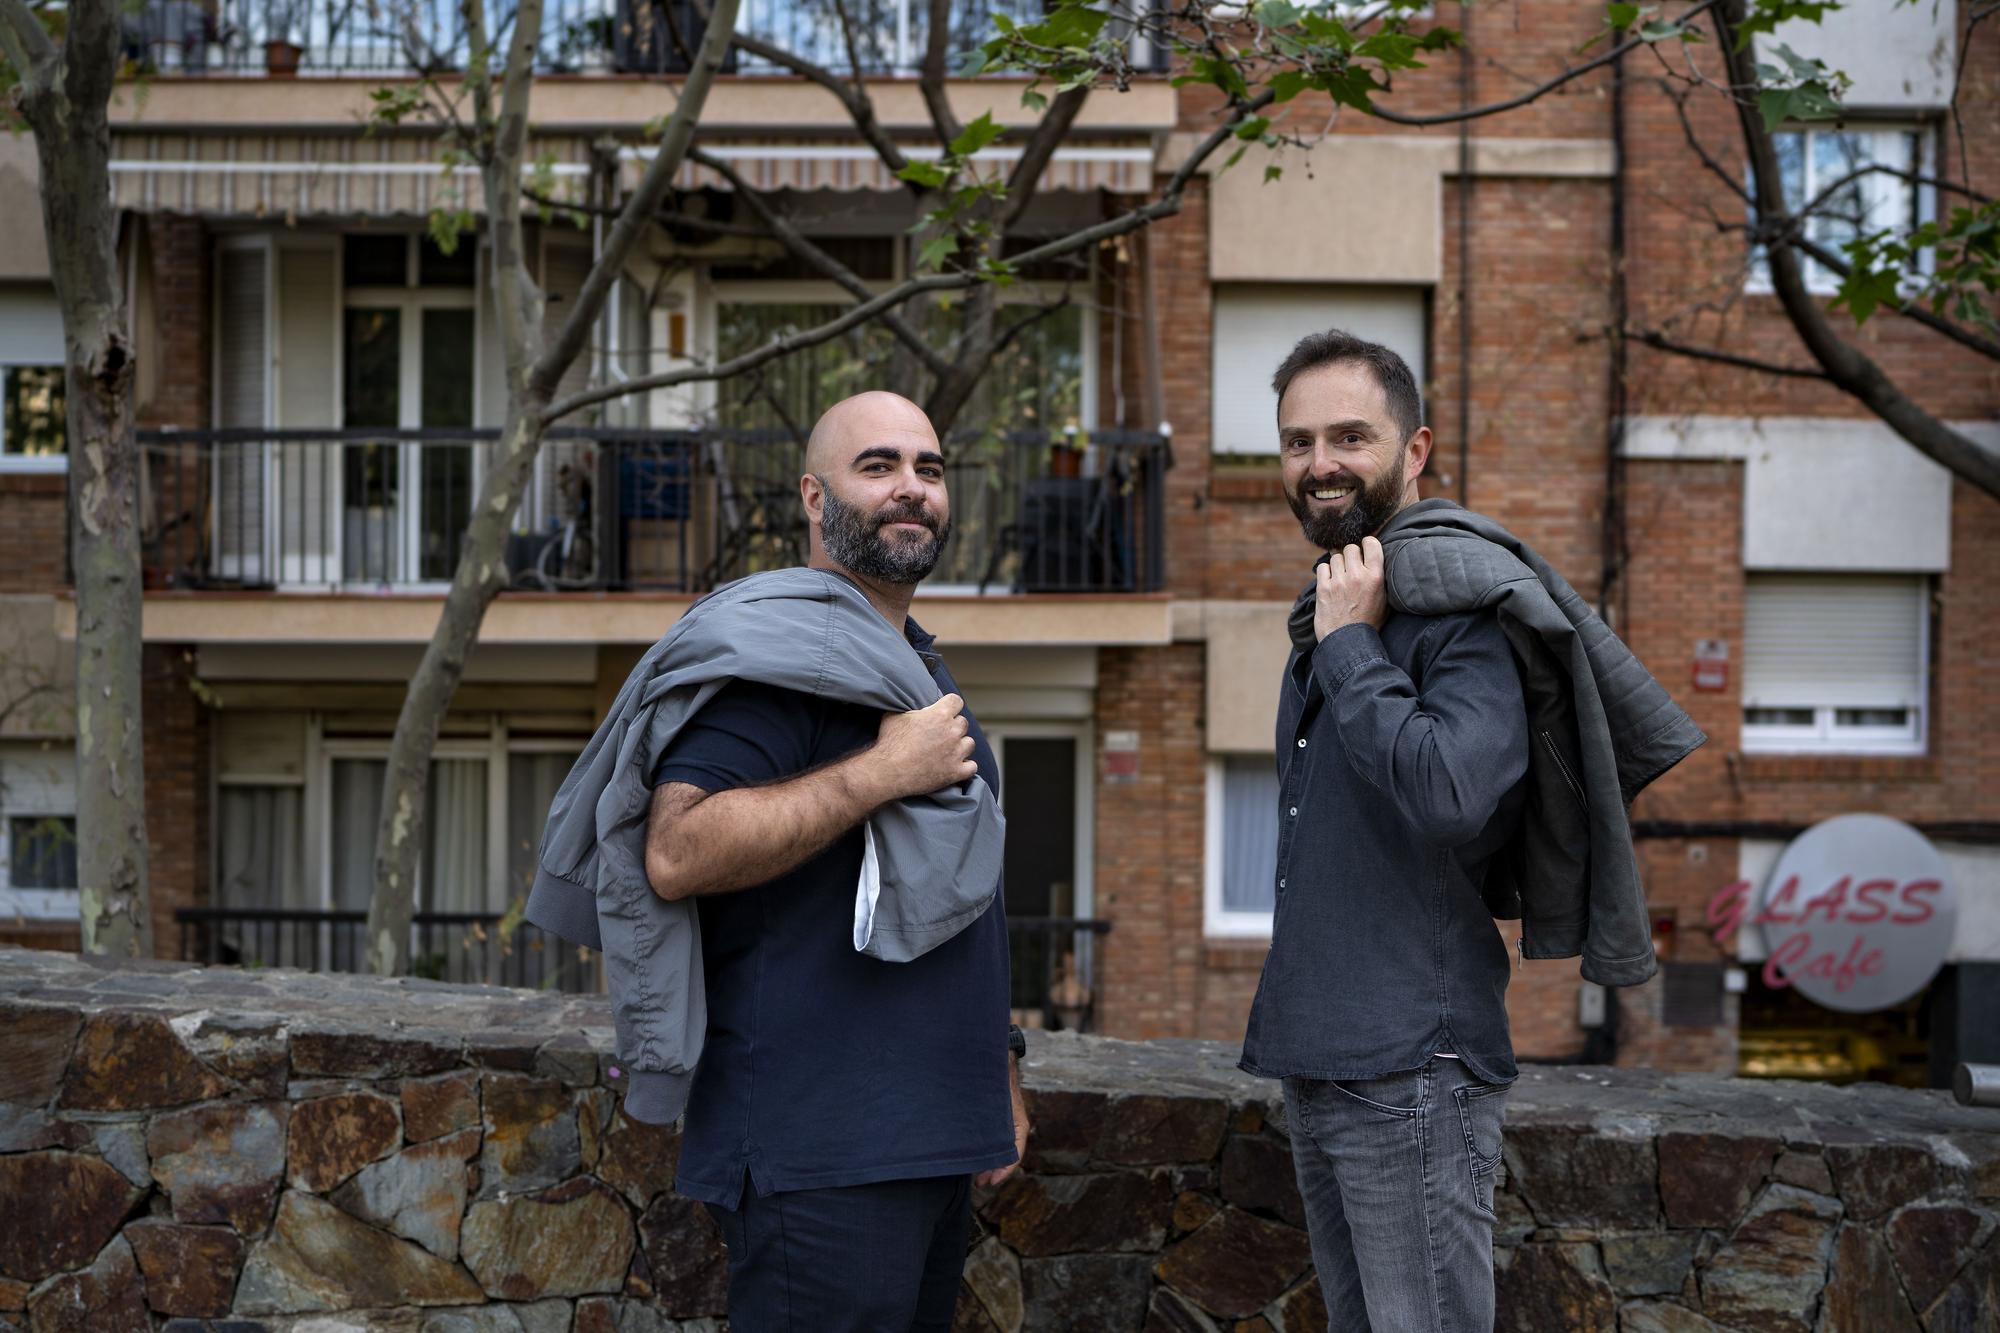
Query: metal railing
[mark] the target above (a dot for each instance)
(1055, 969)
(471, 947)
(335, 37)
(621, 510)
(1054, 958)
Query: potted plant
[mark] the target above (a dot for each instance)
(1066, 451)
(282, 52)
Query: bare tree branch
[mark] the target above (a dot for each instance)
(1540, 90)
(860, 109)
(931, 78)
(799, 244)
(1168, 204)
(643, 204)
(1909, 310)
(22, 39)
(1036, 154)
(1848, 369)
(1656, 339)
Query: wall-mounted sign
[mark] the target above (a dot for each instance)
(1711, 664)
(1857, 913)
(1121, 757)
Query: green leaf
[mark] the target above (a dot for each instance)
(1253, 128)
(1071, 25)
(1277, 14)
(930, 175)
(1034, 101)
(1622, 16)
(1272, 173)
(937, 250)
(976, 136)
(1287, 84)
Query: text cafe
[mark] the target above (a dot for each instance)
(1839, 944)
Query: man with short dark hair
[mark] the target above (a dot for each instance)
(843, 1106)
(1402, 744)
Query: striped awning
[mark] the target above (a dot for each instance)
(1123, 166)
(295, 175)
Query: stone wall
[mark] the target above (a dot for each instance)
(190, 1149)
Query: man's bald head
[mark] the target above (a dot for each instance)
(853, 424)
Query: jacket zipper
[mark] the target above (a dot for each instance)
(1562, 768)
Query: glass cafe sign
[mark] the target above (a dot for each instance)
(1857, 914)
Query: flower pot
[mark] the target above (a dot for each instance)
(281, 59)
(1065, 462)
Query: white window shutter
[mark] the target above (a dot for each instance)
(1819, 641)
(1256, 325)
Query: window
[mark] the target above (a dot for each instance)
(1834, 664)
(1819, 168)
(41, 851)
(38, 874)
(32, 423)
(1256, 326)
(1242, 854)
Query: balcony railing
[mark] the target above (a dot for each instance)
(622, 510)
(1054, 958)
(336, 37)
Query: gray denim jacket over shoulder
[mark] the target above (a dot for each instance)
(935, 860)
(1600, 729)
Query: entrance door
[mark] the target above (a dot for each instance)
(1046, 798)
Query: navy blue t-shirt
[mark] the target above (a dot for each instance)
(822, 1066)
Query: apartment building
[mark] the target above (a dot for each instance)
(318, 379)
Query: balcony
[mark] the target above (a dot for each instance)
(1053, 958)
(622, 510)
(287, 38)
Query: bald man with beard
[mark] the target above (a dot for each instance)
(843, 1106)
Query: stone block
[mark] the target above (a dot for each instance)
(135, 1062)
(435, 1107)
(319, 1257)
(1236, 1264)
(1039, 1216)
(573, 1240)
(107, 1297)
(58, 1210)
(188, 1270)
(221, 1163)
(1708, 1179)
(333, 1137)
(1768, 1277)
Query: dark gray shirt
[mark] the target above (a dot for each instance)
(1400, 759)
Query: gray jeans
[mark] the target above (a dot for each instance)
(1397, 1176)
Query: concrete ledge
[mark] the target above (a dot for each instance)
(301, 1151)
(619, 618)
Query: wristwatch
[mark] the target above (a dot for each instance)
(1017, 1042)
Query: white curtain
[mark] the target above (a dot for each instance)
(455, 833)
(260, 863)
(532, 780)
(1249, 835)
(357, 806)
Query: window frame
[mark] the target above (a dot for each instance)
(33, 464)
(1923, 198)
(1219, 922)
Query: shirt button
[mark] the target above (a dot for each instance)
(1302, 742)
(1281, 884)
(1295, 812)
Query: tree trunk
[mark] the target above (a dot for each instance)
(482, 573)
(65, 98)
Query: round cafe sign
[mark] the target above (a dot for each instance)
(1857, 913)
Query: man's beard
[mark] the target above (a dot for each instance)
(1372, 505)
(856, 542)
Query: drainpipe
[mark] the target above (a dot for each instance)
(1614, 552)
(1465, 263)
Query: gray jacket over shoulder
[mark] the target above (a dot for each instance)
(1600, 729)
(935, 863)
